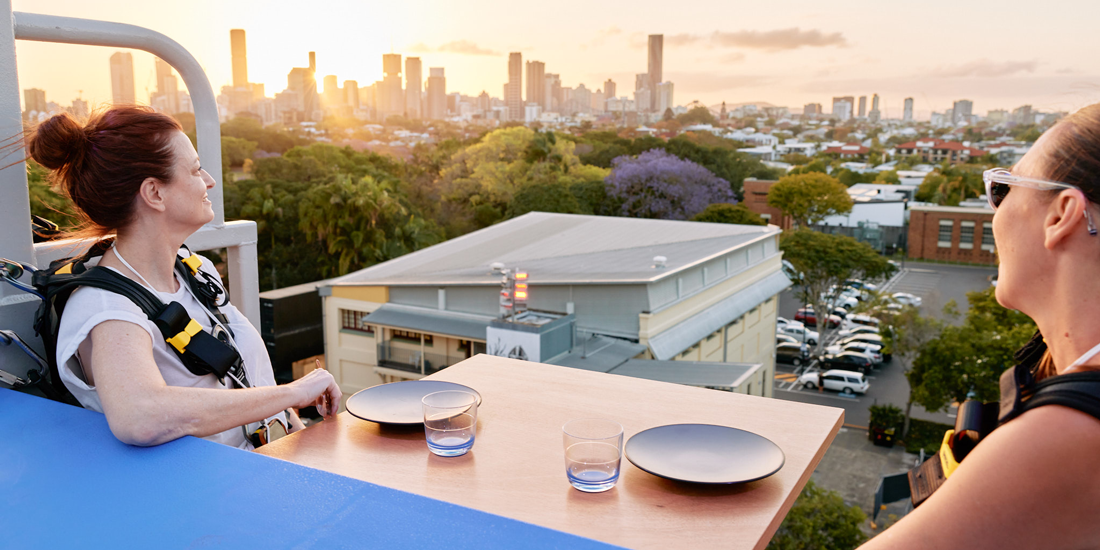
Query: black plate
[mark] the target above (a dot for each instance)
(704, 453)
(398, 402)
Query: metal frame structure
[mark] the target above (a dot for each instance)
(16, 242)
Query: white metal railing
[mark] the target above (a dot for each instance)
(16, 241)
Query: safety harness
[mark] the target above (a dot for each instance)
(1020, 392)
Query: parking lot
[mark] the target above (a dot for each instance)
(935, 285)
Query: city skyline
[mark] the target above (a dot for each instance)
(801, 60)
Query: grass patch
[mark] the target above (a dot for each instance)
(925, 435)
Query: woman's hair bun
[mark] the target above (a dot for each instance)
(57, 142)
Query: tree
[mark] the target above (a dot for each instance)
(668, 114)
(719, 157)
(46, 202)
(907, 333)
(823, 261)
(948, 185)
(820, 520)
(361, 221)
(729, 213)
(967, 361)
(810, 198)
(236, 150)
(544, 197)
(656, 184)
(697, 115)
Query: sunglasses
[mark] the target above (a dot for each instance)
(999, 181)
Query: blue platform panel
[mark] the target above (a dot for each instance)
(67, 482)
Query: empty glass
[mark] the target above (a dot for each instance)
(593, 450)
(450, 418)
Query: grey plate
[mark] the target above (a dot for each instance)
(398, 402)
(704, 453)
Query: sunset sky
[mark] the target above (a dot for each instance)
(998, 54)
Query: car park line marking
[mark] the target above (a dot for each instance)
(823, 395)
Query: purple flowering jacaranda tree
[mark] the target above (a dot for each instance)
(659, 185)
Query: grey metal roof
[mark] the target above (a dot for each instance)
(430, 320)
(564, 249)
(689, 373)
(675, 340)
(604, 354)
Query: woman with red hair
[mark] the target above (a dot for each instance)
(134, 174)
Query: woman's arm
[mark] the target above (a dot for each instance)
(1033, 483)
(141, 409)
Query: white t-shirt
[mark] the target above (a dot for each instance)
(88, 307)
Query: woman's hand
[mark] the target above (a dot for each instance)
(318, 389)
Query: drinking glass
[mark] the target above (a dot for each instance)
(450, 418)
(593, 450)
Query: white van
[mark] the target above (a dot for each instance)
(843, 381)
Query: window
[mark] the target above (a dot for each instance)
(966, 235)
(946, 227)
(987, 236)
(355, 320)
(410, 336)
(766, 217)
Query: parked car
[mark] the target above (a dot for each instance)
(844, 381)
(807, 316)
(868, 339)
(848, 360)
(870, 350)
(854, 329)
(786, 338)
(792, 353)
(907, 299)
(865, 320)
(860, 285)
(780, 321)
(800, 333)
(846, 301)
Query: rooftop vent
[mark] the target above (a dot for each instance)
(496, 266)
(659, 262)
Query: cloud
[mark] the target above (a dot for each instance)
(460, 47)
(735, 57)
(771, 41)
(601, 36)
(780, 39)
(984, 68)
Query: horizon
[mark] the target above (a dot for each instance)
(806, 58)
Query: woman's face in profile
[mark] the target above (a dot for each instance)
(1018, 232)
(186, 195)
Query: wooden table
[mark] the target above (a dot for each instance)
(516, 468)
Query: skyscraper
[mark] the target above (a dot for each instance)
(391, 97)
(35, 100)
(862, 106)
(656, 61)
(332, 96)
(553, 92)
(962, 110)
(414, 82)
(536, 84)
(513, 90)
(664, 97)
(907, 114)
(609, 89)
(437, 94)
(848, 99)
(167, 89)
(302, 83)
(122, 78)
(875, 115)
(351, 94)
(240, 58)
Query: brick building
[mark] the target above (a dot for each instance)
(848, 151)
(756, 200)
(952, 233)
(936, 151)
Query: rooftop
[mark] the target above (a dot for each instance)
(564, 249)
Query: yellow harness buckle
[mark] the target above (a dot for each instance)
(193, 262)
(947, 456)
(66, 269)
(181, 340)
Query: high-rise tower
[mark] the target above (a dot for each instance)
(122, 78)
(656, 62)
(414, 79)
(513, 96)
(240, 58)
(536, 84)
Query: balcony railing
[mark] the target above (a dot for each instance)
(238, 237)
(413, 360)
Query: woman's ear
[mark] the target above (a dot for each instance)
(1065, 217)
(151, 194)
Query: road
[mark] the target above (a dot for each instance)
(936, 285)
